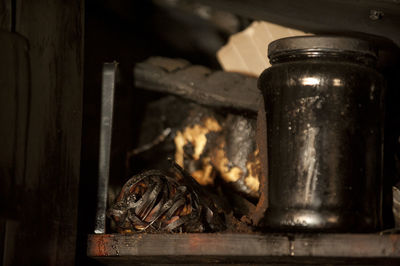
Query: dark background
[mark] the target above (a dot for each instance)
(50, 102)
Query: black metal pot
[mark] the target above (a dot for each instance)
(324, 105)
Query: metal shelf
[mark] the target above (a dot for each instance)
(245, 248)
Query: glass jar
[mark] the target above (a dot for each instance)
(324, 106)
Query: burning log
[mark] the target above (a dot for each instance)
(210, 125)
(194, 141)
(236, 156)
(208, 143)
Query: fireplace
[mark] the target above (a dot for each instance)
(155, 111)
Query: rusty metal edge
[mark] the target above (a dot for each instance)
(109, 79)
(323, 245)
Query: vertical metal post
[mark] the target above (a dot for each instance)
(107, 106)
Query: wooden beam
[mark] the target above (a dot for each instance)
(198, 83)
(6, 15)
(45, 131)
(14, 92)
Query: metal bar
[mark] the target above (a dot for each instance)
(107, 106)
